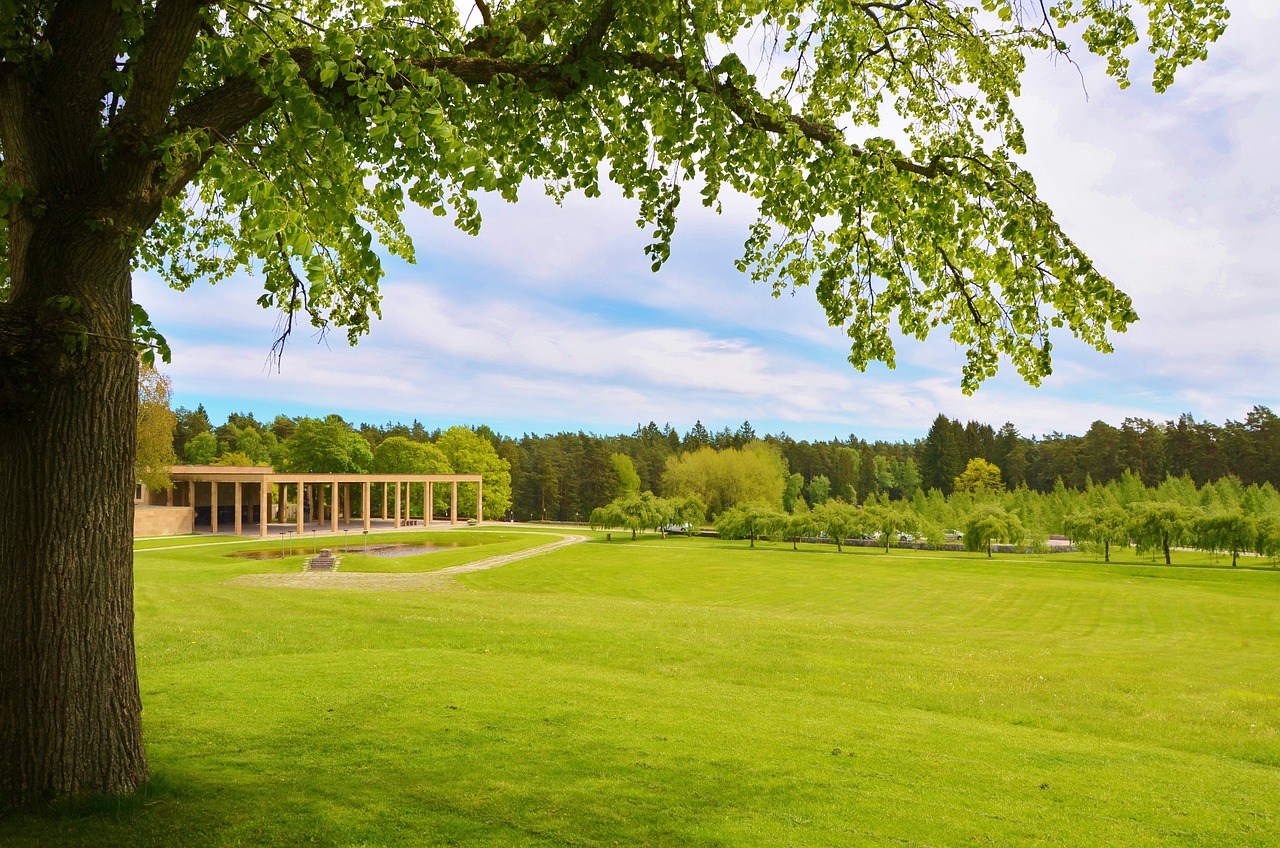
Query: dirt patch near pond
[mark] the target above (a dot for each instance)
(381, 582)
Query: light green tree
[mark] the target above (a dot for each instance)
(1160, 525)
(399, 455)
(839, 520)
(751, 521)
(202, 448)
(327, 446)
(634, 512)
(1102, 525)
(726, 478)
(1266, 540)
(156, 422)
(890, 521)
(235, 459)
(989, 524)
(979, 478)
(470, 453)
(688, 510)
(201, 137)
(801, 524)
(1228, 530)
(628, 477)
(791, 493)
(819, 489)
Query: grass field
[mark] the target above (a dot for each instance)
(696, 692)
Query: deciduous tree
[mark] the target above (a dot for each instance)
(156, 423)
(1160, 525)
(1102, 525)
(750, 521)
(839, 520)
(199, 137)
(979, 478)
(989, 524)
(470, 453)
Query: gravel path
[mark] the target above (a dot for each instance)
(381, 582)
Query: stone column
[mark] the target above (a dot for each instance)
(397, 524)
(239, 499)
(479, 501)
(334, 510)
(191, 498)
(264, 495)
(429, 502)
(453, 503)
(213, 507)
(366, 495)
(383, 514)
(301, 501)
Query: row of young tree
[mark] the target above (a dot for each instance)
(1224, 517)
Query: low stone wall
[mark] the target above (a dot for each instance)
(163, 521)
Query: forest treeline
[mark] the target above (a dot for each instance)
(564, 476)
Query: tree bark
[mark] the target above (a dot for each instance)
(70, 711)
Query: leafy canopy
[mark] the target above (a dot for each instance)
(287, 138)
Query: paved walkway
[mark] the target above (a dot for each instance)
(382, 581)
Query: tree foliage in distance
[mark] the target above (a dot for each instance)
(791, 493)
(238, 459)
(156, 422)
(468, 452)
(327, 446)
(688, 511)
(730, 477)
(819, 490)
(399, 455)
(801, 524)
(628, 477)
(202, 448)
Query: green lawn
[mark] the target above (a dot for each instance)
(696, 692)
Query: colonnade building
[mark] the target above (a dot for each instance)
(236, 499)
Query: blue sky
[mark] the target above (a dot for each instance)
(551, 320)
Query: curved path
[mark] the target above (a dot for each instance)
(384, 581)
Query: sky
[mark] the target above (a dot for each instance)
(551, 319)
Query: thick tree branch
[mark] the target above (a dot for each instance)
(169, 36)
(81, 35)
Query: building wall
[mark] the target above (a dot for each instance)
(163, 521)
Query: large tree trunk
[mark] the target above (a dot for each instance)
(70, 712)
